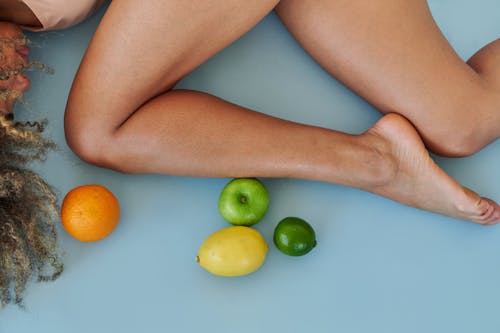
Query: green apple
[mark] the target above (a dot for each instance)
(244, 201)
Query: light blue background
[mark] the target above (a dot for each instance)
(378, 267)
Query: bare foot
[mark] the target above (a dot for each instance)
(418, 181)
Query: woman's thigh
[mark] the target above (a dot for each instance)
(392, 53)
(142, 48)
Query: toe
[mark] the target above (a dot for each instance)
(489, 212)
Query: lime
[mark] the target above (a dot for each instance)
(294, 236)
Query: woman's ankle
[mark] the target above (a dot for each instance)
(380, 164)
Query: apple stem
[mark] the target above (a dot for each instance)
(243, 200)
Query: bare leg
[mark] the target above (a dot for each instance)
(392, 53)
(122, 114)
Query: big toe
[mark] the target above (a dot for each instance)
(488, 212)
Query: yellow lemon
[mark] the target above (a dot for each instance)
(233, 251)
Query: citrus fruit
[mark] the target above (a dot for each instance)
(233, 251)
(294, 236)
(243, 201)
(90, 212)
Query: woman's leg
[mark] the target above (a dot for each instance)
(122, 114)
(392, 53)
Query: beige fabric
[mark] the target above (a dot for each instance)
(60, 14)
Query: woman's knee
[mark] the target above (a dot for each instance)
(456, 143)
(486, 62)
(474, 125)
(90, 140)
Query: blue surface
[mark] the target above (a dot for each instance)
(378, 267)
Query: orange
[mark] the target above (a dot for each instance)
(90, 212)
